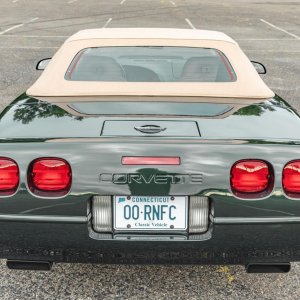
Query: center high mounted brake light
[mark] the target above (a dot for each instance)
(150, 160)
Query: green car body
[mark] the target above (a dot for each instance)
(240, 231)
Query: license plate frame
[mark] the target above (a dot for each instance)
(166, 225)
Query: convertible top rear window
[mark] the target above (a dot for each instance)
(150, 64)
(147, 108)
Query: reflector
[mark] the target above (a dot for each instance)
(9, 176)
(251, 177)
(102, 213)
(198, 215)
(150, 160)
(49, 177)
(291, 179)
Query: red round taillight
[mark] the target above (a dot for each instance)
(291, 179)
(251, 179)
(9, 176)
(49, 177)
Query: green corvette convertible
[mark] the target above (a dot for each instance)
(150, 146)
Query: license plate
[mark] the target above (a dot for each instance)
(150, 213)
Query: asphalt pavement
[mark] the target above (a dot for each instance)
(268, 31)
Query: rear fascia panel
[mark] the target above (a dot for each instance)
(57, 229)
(211, 160)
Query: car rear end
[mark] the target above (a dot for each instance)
(178, 189)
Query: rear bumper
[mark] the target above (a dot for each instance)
(228, 244)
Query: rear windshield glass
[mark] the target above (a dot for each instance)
(148, 108)
(150, 64)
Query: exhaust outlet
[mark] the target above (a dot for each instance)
(29, 265)
(268, 268)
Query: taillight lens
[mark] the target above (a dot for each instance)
(9, 176)
(251, 178)
(49, 177)
(291, 179)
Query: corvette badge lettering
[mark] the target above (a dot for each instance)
(123, 178)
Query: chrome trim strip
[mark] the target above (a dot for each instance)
(44, 219)
(270, 220)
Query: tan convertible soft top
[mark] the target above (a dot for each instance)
(52, 82)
